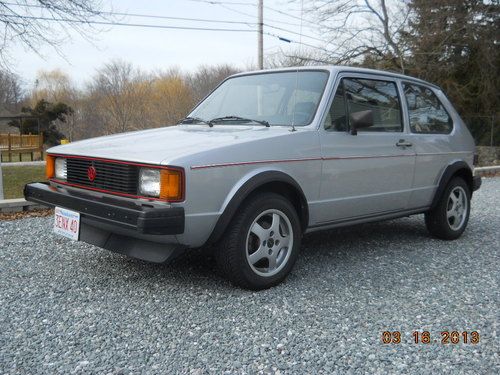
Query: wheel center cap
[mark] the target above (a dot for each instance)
(270, 242)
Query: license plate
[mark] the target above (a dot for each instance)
(67, 223)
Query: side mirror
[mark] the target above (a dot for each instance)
(360, 120)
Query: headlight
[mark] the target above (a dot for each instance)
(149, 182)
(61, 171)
(164, 183)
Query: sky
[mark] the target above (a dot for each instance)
(160, 49)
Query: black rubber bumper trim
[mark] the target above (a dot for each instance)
(476, 183)
(145, 220)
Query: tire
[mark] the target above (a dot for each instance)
(251, 253)
(449, 218)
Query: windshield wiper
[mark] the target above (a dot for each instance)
(238, 118)
(194, 120)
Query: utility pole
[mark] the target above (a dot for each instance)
(261, 35)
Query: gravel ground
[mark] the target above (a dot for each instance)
(73, 308)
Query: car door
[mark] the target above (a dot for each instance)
(371, 173)
(431, 129)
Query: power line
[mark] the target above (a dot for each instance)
(291, 16)
(215, 2)
(158, 27)
(275, 27)
(109, 23)
(180, 18)
(293, 32)
(125, 24)
(222, 4)
(253, 15)
(147, 15)
(225, 2)
(287, 40)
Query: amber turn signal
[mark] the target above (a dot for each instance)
(50, 169)
(171, 185)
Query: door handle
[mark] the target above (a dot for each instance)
(403, 143)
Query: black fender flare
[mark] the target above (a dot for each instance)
(250, 186)
(450, 171)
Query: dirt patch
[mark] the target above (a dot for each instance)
(25, 214)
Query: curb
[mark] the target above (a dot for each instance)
(18, 205)
(489, 168)
(23, 164)
(487, 171)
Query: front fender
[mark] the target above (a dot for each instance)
(248, 185)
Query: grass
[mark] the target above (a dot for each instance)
(14, 179)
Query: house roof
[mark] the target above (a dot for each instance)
(5, 128)
(6, 115)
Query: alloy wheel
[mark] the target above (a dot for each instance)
(269, 242)
(456, 210)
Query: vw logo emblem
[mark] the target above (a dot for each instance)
(91, 173)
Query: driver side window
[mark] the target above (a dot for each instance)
(380, 97)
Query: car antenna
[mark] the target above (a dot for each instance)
(297, 71)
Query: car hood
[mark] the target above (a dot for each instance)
(165, 145)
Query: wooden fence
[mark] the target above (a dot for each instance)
(20, 144)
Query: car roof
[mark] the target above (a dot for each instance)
(341, 68)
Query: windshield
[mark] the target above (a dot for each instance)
(282, 98)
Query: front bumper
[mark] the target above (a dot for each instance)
(112, 212)
(476, 183)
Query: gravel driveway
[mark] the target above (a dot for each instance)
(73, 308)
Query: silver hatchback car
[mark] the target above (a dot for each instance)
(263, 159)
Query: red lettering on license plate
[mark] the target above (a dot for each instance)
(67, 223)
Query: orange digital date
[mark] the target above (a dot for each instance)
(424, 337)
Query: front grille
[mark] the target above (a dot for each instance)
(114, 177)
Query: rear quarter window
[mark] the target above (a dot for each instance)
(427, 113)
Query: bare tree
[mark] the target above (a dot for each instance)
(10, 92)
(44, 22)
(119, 97)
(54, 86)
(89, 121)
(170, 98)
(120, 92)
(298, 57)
(206, 78)
(355, 29)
